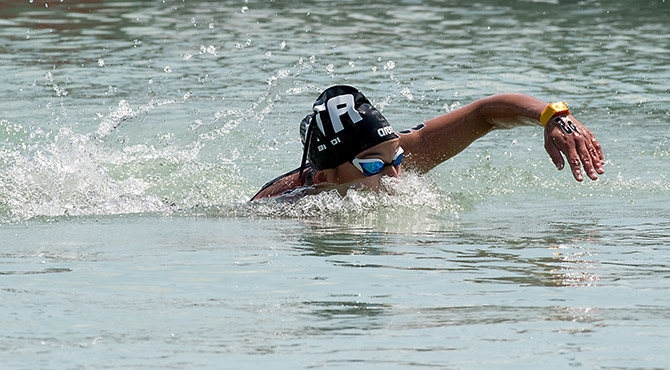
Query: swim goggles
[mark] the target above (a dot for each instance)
(373, 166)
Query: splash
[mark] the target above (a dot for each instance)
(65, 173)
(66, 178)
(410, 204)
(140, 159)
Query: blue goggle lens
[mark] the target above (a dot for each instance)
(371, 168)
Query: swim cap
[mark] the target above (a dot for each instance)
(343, 124)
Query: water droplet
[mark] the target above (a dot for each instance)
(196, 124)
(407, 94)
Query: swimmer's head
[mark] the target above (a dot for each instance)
(344, 123)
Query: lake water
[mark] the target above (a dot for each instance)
(133, 133)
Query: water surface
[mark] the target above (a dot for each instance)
(133, 133)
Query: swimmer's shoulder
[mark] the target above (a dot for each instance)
(411, 136)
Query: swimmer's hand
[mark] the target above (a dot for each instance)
(564, 134)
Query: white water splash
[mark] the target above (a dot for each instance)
(411, 203)
(65, 177)
(65, 173)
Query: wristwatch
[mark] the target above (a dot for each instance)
(552, 110)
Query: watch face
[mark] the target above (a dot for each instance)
(559, 106)
(552, 110)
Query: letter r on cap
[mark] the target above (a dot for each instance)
(339, 105)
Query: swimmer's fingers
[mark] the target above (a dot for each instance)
(589, 149)
(595, 151)
(553, 150)
(585, 158)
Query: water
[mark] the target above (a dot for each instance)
(133, 133)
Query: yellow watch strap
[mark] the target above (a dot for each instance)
(552, 110)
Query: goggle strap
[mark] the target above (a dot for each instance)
(308, 138)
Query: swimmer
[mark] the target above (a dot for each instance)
(347, 143)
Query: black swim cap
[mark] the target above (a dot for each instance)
(343, 124)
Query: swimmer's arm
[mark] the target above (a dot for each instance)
(447, 135)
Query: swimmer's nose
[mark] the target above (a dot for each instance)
(391, 171)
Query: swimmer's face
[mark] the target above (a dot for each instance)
(347, 172)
